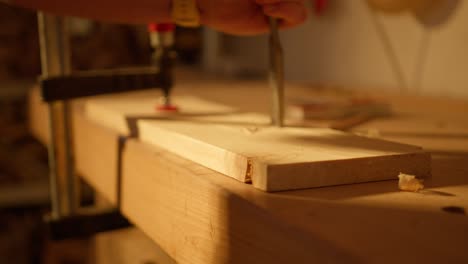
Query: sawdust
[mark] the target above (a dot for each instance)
(409, 183)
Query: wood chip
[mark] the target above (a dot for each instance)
(409, 183)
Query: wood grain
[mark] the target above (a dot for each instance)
(198, 216)
(196, 220)
(277, 159)
(128, 245)
(101, 170)
(244, 146)
(121, 112)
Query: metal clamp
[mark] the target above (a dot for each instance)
(58, 86)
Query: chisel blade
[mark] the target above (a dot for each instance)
(276, 74)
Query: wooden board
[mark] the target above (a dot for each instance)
(244, 146)
(100, 170)
(277, 159)
(122, 112)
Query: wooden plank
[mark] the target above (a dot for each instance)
(245, 147)
(436, 132)
(97, 155)
(121, 112)
(277, 159)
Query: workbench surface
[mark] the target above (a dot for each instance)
(200, 216)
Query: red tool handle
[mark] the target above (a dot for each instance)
(161, 27)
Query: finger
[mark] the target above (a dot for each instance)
(291, 13)
(254, 25)
(269, 2)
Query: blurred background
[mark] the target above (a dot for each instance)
(354, 44)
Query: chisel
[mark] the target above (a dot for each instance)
(276, 74)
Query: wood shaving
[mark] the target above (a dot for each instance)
(409, 183)
(370, 133)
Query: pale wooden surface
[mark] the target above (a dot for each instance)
(89, 138)
(198, 220)
(245, 147)
(122, 114)
(197, 216)
(278, 159)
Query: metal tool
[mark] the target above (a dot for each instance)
(58, 86)
(163, 54)
(276, 74)
(91, 83)
(55, 61)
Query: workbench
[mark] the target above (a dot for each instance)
(197, 215)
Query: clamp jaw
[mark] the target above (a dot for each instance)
(91, 83)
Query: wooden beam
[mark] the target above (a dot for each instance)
(198, 216)
(101, 171)
(196, 220)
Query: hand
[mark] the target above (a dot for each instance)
(249, 17)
